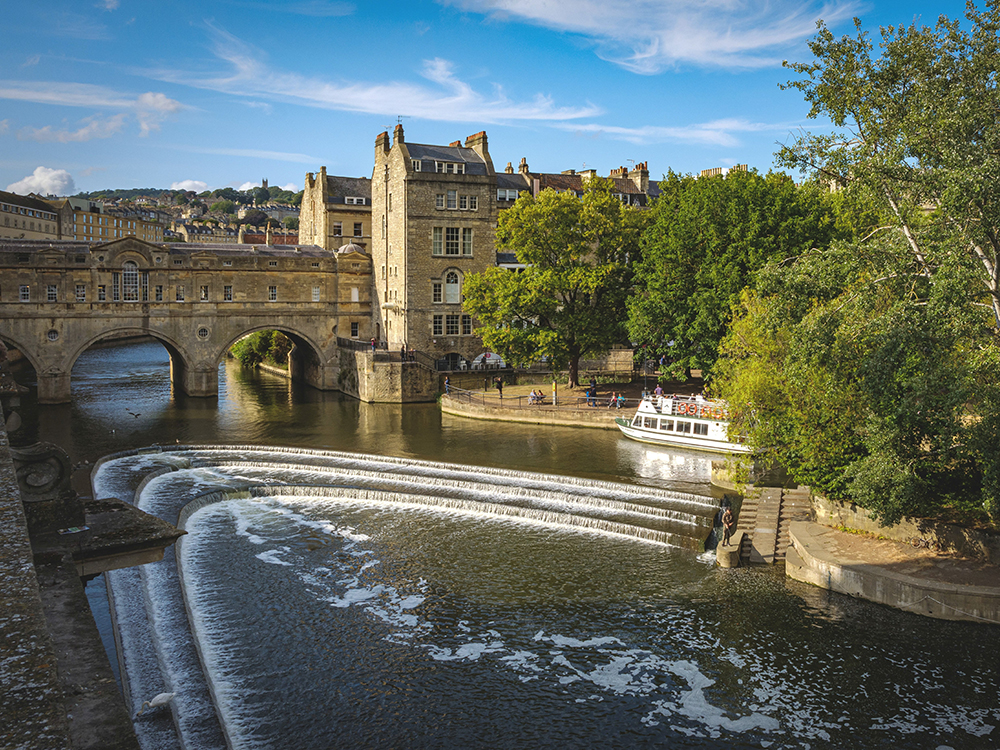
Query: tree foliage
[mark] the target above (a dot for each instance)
(223, 207)
(707, 239)
(870, 368)
(262, 346)
(569, 301)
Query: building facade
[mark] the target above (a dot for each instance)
(434, 213)
(89, 221)
(335, 211)
(27, 218)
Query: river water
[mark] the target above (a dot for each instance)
(359, 602)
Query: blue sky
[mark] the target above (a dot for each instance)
(128, 93)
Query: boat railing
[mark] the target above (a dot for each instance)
(689, 406)
(493, 399)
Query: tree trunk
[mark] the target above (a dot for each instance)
(574, 371)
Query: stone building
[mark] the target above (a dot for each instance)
(27, 218)
(434, 212)
(89, 221)
(335, 210)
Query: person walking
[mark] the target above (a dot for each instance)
(499, 382)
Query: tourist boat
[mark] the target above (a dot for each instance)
(683, 421)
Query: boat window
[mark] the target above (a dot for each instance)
(701, 429)
(637, 422)
(667, 425)
(650, 422)
(683, 426)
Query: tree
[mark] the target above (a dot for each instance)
(917, 132)
(292, 222)
(707, 239)
(569, 301)
(261, 196)
(869, 368)
(223, 207)
(255, 217)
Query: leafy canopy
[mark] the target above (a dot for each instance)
(569, 300)
(707, 239)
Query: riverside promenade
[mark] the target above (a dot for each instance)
(928, 569)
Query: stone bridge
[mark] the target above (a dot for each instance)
(58, 298)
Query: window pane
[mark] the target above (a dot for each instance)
(436, 291)
(438, 325)
(438, 233)
(452, 199)
(452, 325)
(130, 282)
(466, 242)
(439, 200)
(451, 241)
(466, 325)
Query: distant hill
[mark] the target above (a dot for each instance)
(121, 193)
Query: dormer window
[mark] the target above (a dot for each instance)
(416, 165)
(352, 201)
(448, 167)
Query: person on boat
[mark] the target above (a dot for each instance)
(658, 391)
(727, 526)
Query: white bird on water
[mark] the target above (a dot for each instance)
(160, 700)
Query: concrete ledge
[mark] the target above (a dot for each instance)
(810, 560)
(729, 556)
(599, 417)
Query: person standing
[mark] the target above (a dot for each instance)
(447, 384)
(373, 344)
(499, 382)
(727, 526)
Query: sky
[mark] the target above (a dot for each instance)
(203, 94)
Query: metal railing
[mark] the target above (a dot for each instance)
(493, 399)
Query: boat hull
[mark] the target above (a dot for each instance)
(678, 441)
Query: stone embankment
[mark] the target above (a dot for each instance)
(930, 569)
(517, 409)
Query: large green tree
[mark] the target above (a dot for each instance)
(569, 300)
(870, 368)
(707, 239)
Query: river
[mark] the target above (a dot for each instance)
(332, 619)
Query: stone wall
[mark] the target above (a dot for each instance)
(982, 545)
(386, 382)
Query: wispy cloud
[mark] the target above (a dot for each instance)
(78, 26)
(648, 36)
(44, 181)
(149, 109)
(108, 4)
(250, 153)
(315, 8)
(4, 126)
(449, 99)
(95, 128)
(715, 133)
(33, 60)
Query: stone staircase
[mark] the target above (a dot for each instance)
(765, 517)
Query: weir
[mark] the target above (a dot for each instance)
(160, 654)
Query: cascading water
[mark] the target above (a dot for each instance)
(325, 599)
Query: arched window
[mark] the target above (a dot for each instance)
(452, 289)
(130, 281)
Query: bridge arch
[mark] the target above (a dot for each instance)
(12, 343)
(306, 360)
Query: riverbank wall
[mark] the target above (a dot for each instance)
(518, 410)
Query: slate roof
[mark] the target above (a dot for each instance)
(474, 163)
(343, 187)
(512, 181)
(27, 202)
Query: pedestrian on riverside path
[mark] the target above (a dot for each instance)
(727, 526)
(499, 382)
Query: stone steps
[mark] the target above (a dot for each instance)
(765, 519)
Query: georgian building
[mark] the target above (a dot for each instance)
(335, 211)
(27, 218)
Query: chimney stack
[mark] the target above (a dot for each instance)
(397, 135)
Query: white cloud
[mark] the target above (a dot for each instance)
(95, 128)
(33, 60)
(196, 185)
(149, 109)
(250, 153)
(714, 133)
(449, 99)
(78, 26)
(291, 187)
(45, 181)
(648, 36)
(4, 126)
(248, 186)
